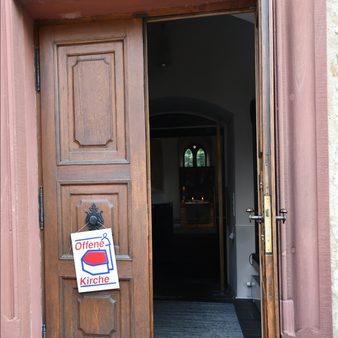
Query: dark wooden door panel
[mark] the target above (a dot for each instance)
(112, 199)
(94, 152)
(109, 314)
(91, 91)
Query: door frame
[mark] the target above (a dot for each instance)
(297, 57)
(266, 168)
(177, 14)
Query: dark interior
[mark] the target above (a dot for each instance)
(181, 269)
(196, 69)
(186, 255)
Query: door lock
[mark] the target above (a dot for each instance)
(282, 216)
(252, 217)
(94, 219)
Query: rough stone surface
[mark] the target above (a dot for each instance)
(332, 54)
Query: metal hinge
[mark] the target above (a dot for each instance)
(44, 331)
(37, 69)
(41, 209)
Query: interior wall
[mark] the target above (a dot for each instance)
(21, 291)
(244, 198)
(170, 176)
(212, 59)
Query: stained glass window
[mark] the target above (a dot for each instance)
(200, 158)
(194, 156)
(188, 158)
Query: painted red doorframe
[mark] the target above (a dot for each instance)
(303, 141)
(72, 9)
(303, 152)
(20, 248)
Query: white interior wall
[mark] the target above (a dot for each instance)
(212, 59)
(244, 197)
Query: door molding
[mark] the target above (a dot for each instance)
(74, 10)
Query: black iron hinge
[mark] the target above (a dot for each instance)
(43, 331)
(41, 209)
(37, 69)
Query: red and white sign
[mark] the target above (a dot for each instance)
(94, 259)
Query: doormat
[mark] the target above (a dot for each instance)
(177, 319)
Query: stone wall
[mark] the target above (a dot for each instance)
(332, 55)
(21, 291)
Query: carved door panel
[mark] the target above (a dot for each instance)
(94, 151)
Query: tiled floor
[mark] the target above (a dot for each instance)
(249, 318)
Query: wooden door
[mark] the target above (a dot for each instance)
(266, 170)
(94, 151)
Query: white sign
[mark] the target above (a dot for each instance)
(95, 262)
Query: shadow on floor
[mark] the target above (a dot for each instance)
(249, 318)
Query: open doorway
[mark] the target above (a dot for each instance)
(185, 204)
(201, 75)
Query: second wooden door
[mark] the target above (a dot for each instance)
(94, 152)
